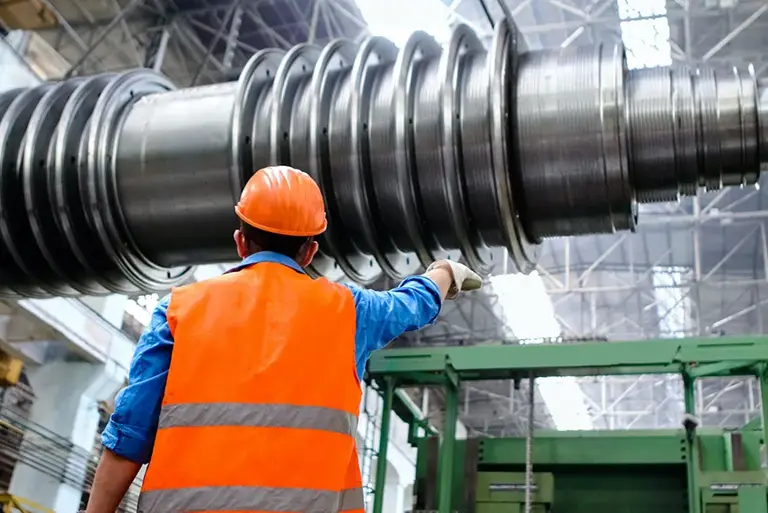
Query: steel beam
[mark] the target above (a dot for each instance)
(227, 17)
(448, 448)
(424, 366)
(735, 32)
(114, 23)
(158, 47)
(381, 455)
(234, 34)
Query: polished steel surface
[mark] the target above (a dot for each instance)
(119, 183)
(691, 128)
(762, 106)
(595, 138)
(174, 177)
(652, 127)
(572, 142)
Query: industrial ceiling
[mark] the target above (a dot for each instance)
(697, 268)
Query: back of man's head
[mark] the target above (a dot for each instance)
(259, 240)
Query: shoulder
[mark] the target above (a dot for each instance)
(358, 294)
(366, 301)
(159, 313)
(333, 291)
(204, 287)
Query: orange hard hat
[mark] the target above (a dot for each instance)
(283, 200)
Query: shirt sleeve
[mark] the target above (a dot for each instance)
(384, 316)
(131, 430)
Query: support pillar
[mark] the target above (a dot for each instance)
(692, 461)
(447, 447)
(762, 377)
(381, 456)
(52, 472)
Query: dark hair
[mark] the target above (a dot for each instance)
(284, 244)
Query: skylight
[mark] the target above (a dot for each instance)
(141, 308)
(398, 19)
(673, 305)
(645, 33)
(530, 315)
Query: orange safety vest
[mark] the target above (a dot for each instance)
(262, 398)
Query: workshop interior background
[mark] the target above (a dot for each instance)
(697, 267)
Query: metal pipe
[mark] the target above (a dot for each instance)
(227, 17)
(421, 152)
(734, 33)
(157, 58)
(107, 30)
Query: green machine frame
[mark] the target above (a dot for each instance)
(447, 367)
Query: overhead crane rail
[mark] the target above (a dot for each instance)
(120, 183)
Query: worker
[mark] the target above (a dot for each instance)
(244, 390)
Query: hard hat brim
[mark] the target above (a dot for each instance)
(278, 231)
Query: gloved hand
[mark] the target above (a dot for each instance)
(464, 278)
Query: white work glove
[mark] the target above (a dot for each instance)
(464, 278)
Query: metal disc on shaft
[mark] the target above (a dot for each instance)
(312, 154)
(406, 220)
(103, 198)
(8, 270)
(26, 269)
(502, 62)
(256, 77)
(477, 255)
(57, 264)
(70, 168)
(378, 56)
(339, 176)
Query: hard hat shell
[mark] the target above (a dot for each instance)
(283, 200)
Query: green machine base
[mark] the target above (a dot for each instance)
(686, 470)
(502, 492)
(599, 472)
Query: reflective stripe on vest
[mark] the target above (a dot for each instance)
(251, 498)
(258, 415)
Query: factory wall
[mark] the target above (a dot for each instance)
(66, 403)
(67, 395)
(401, 457)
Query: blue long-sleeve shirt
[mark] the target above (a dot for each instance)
(380, 318)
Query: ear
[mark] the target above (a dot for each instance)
(308, 253)
(240, 244)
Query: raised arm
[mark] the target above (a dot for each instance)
(383, 316)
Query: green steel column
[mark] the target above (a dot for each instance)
(445, 462)
(689, 397)
(381, 456)
(763, 377)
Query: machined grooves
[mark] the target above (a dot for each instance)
(692, 128)
(119, 183)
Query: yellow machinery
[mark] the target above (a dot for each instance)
(12, 503)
